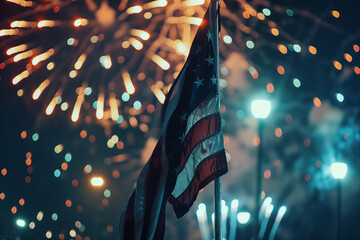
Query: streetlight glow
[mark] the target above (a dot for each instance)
(338, 170)
(260, 108)
(243, 217)
(20, 223)
(97, 181)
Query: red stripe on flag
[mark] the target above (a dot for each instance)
(202, 129)
(210, 168)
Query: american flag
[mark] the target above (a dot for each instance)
(190, 153)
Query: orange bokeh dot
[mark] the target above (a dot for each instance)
(13, 209)
(357, 70)
(30, 170)
(262, 195)
(75, 182)
(246, 15)
(270, 87)
(281, 70)
(150, 108)
(276, 162)
(260, 16)
(267, 174)
(120, 145)
(356, 48)
(64, 166)
(2, 65)
(101, 37)
(23, 134)
(105, 202)
(282, 49)
(116, 174)
(79, 208)
(88, 119)
(27, 179)
(337, 65)
(28, 155)
(317, 102)
(143, 127)
(278, 132)
(68, 203)
(312, 50)
(133, 121)
(256, 141)
(348, 57)
(2, 196)
(92, 138)
(275, 32)
(109, 228)
(255, 74)
(61, 236)
(21, 201)
(28, 161)
(83, 134)
(4, 171)
(335, 14)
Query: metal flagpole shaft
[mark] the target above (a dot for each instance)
(259, 182)
(218, 209)
(214, 5)
(338, 220)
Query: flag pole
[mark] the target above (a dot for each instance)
(214, 8)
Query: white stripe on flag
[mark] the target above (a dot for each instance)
(204, 109)
(202, 150)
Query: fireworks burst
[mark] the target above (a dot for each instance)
(94, 48)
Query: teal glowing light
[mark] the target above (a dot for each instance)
(20, 222)
(125, 97)
(54, 217)
(68, 157)
(120, 119)
(94, 104)
(227, 39)
(240, 114)
(297, 48)
(296, 82)
(266, 12)
(88, 91)
(70, 41)
(137, 105)
(35, 137)
(57, 173)
(252, 69)
(340, 97)
(107, 193)
(289, 12)
(250, 44)
(58, 100)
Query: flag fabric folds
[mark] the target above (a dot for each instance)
(190, 152)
